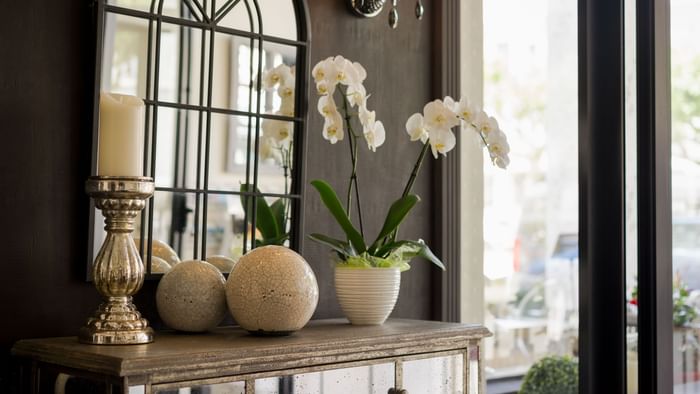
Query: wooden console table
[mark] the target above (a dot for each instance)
(327, 356)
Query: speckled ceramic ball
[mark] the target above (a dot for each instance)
(158, 265)
(272, 291)
(192, 296)
(223, 263)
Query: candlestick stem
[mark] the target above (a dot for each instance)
(118, 271)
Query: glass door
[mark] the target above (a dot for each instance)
(685, 173)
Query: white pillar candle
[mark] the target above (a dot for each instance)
(121, 135)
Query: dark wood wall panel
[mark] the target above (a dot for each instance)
(45, 78)
(46, 55)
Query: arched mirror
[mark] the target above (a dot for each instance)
(224, 85)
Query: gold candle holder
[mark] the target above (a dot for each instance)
(118, 270)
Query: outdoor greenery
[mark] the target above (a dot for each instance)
(552, 375)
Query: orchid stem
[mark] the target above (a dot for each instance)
(357, 187)
(352, 140)
(409, 184)
(416, 169)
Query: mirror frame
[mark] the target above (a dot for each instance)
(155, 18)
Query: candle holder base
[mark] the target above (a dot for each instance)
(118, 270)
(116, 322)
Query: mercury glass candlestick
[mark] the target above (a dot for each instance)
(118, 270)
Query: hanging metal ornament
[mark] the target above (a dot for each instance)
(372, 8)
(419, 10)
(367, 8)
(394, 15)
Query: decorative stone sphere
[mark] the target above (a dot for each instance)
(272, 291)
(161, 250)
(158, 265)
(223, 263)
(192, 296)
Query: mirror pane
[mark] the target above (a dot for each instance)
(240, 17)
(219, 388)
(374, 379)
(226, 230)
(235, 65)
(275, 156)
(176, 147)
(274, 228)
(231, 145)
(124, 57)
(278, 20)
(435, 375)
(183, 65)
(278, 92)
(140, 5)
(190, 10)
(173, 229)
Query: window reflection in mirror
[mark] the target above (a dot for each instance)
(221, 121)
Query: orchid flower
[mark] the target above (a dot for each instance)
(269, 150)
(498, 148)
(441, 141)
(450, 103)
(287, 106)
(466, 111)
(285, 91)
(333, 128)
(375, 135)
(279, 130)
(323, 70)
(326, 106)
(281, 74)
(345, 72)
(357, 95)
(485, 124)
(438, 116)
(361, 72)
(367, 117)
(325, 88)
(415, 127)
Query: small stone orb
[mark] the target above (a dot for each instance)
(272, 290)
(162, 250)
(158, 265)
(192, 297)
(223, 263)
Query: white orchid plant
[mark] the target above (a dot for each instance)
(343, 98)
(275, 145)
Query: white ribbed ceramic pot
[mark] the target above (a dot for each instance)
(367, 295)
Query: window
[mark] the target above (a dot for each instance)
(530, 211)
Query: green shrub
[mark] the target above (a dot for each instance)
(551, 375)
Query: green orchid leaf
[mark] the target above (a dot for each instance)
(264, 217)
(339, 246)
(278, 209)
(389, 248)
(273, 241)
(428, 254)
(397, 213)
(366, 261)
(330, 199)
(409, 249)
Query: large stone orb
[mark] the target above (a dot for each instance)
(192, 297)
(272, 291)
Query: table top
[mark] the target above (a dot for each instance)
(232, 351)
